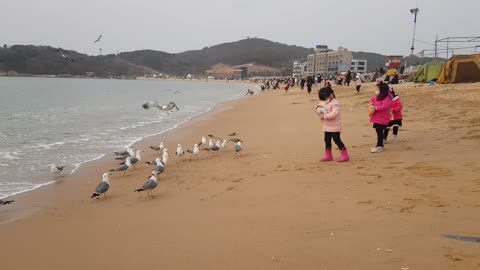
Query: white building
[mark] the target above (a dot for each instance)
(329, 62)
(359, 66)
(300, 69)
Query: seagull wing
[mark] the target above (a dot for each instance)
(159, 169)
(151, 104)
(102, 187)
(150, 184)
(215, 137)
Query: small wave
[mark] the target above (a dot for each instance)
(9, 155)
(19, 188)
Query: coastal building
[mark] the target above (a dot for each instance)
(359, 66)
(240, 73)
(90, 74)
(300, 69)
(329, 62)
(393, 61)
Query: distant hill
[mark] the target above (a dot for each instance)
(263, 57)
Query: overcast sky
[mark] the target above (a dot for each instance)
(177, 25)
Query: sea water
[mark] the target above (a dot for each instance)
(45, 121)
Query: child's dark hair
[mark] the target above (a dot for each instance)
(384, 89)
(325, 92)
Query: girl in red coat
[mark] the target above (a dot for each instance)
(395, 117)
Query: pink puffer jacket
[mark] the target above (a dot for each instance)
(397, 108)
(332, 121)
(382, 112)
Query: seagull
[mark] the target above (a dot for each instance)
(160, 147)
(249, 92)
(165, 156)
(159, 169)
(210, 143)
(124, 167)
(153, 162)
(98, 39)
(3, 202)
(150, 185)
(103, 187)
(215, 137)
(135, 159)
(56, 169)
(180, 151)
(232, 134)
(129, 153)
(124, 152)
(64, 55)
(154, 104)
(238, 147)
(214, 148)
(224, 143)
(203, 141)
(195, 150)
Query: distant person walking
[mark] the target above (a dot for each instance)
(302, 83)
(358, 83)
(329, 111)
(310, 82)
(348, 78)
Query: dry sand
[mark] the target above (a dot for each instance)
(274, 206)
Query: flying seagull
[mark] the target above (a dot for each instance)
(3, 202)
(65, 55)
(150, 185)
(249, 92)
(235, 140)
(98, 39)
(56, 169)
(215, 137)
(154, 104)
(103, 187)
(160, 147)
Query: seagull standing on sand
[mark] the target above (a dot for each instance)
(214, 148)
(224, 143)
(124, 152)
(3, 202)
(124, 167)
(159, 169)
(180, 151)
(195, 150)
(136, 159)
(210, 143)
(238, 147)
(103, 187)
(165, 156)
(160, 147)
(150, 185)
(203, 141)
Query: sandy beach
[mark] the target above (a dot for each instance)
(274, 205)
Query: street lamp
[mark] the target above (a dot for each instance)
(415, 12)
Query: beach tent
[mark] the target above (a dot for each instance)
(428, 72)
(461, 69)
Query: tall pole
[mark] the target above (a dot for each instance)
(314, 60)
(436, 40)
(415, 12)
(447, 47)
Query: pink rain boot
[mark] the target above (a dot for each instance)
(344, 156)
(328, 155)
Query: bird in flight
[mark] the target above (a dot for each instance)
(98, 39)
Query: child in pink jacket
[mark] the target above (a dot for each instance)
(395, 117)
(329, 111)
(382, 104)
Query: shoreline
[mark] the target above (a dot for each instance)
(275, 206)
(102, 158)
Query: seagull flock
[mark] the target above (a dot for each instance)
(132, 157)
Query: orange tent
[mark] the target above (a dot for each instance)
(461, 69)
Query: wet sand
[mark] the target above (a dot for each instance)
(274, 206)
